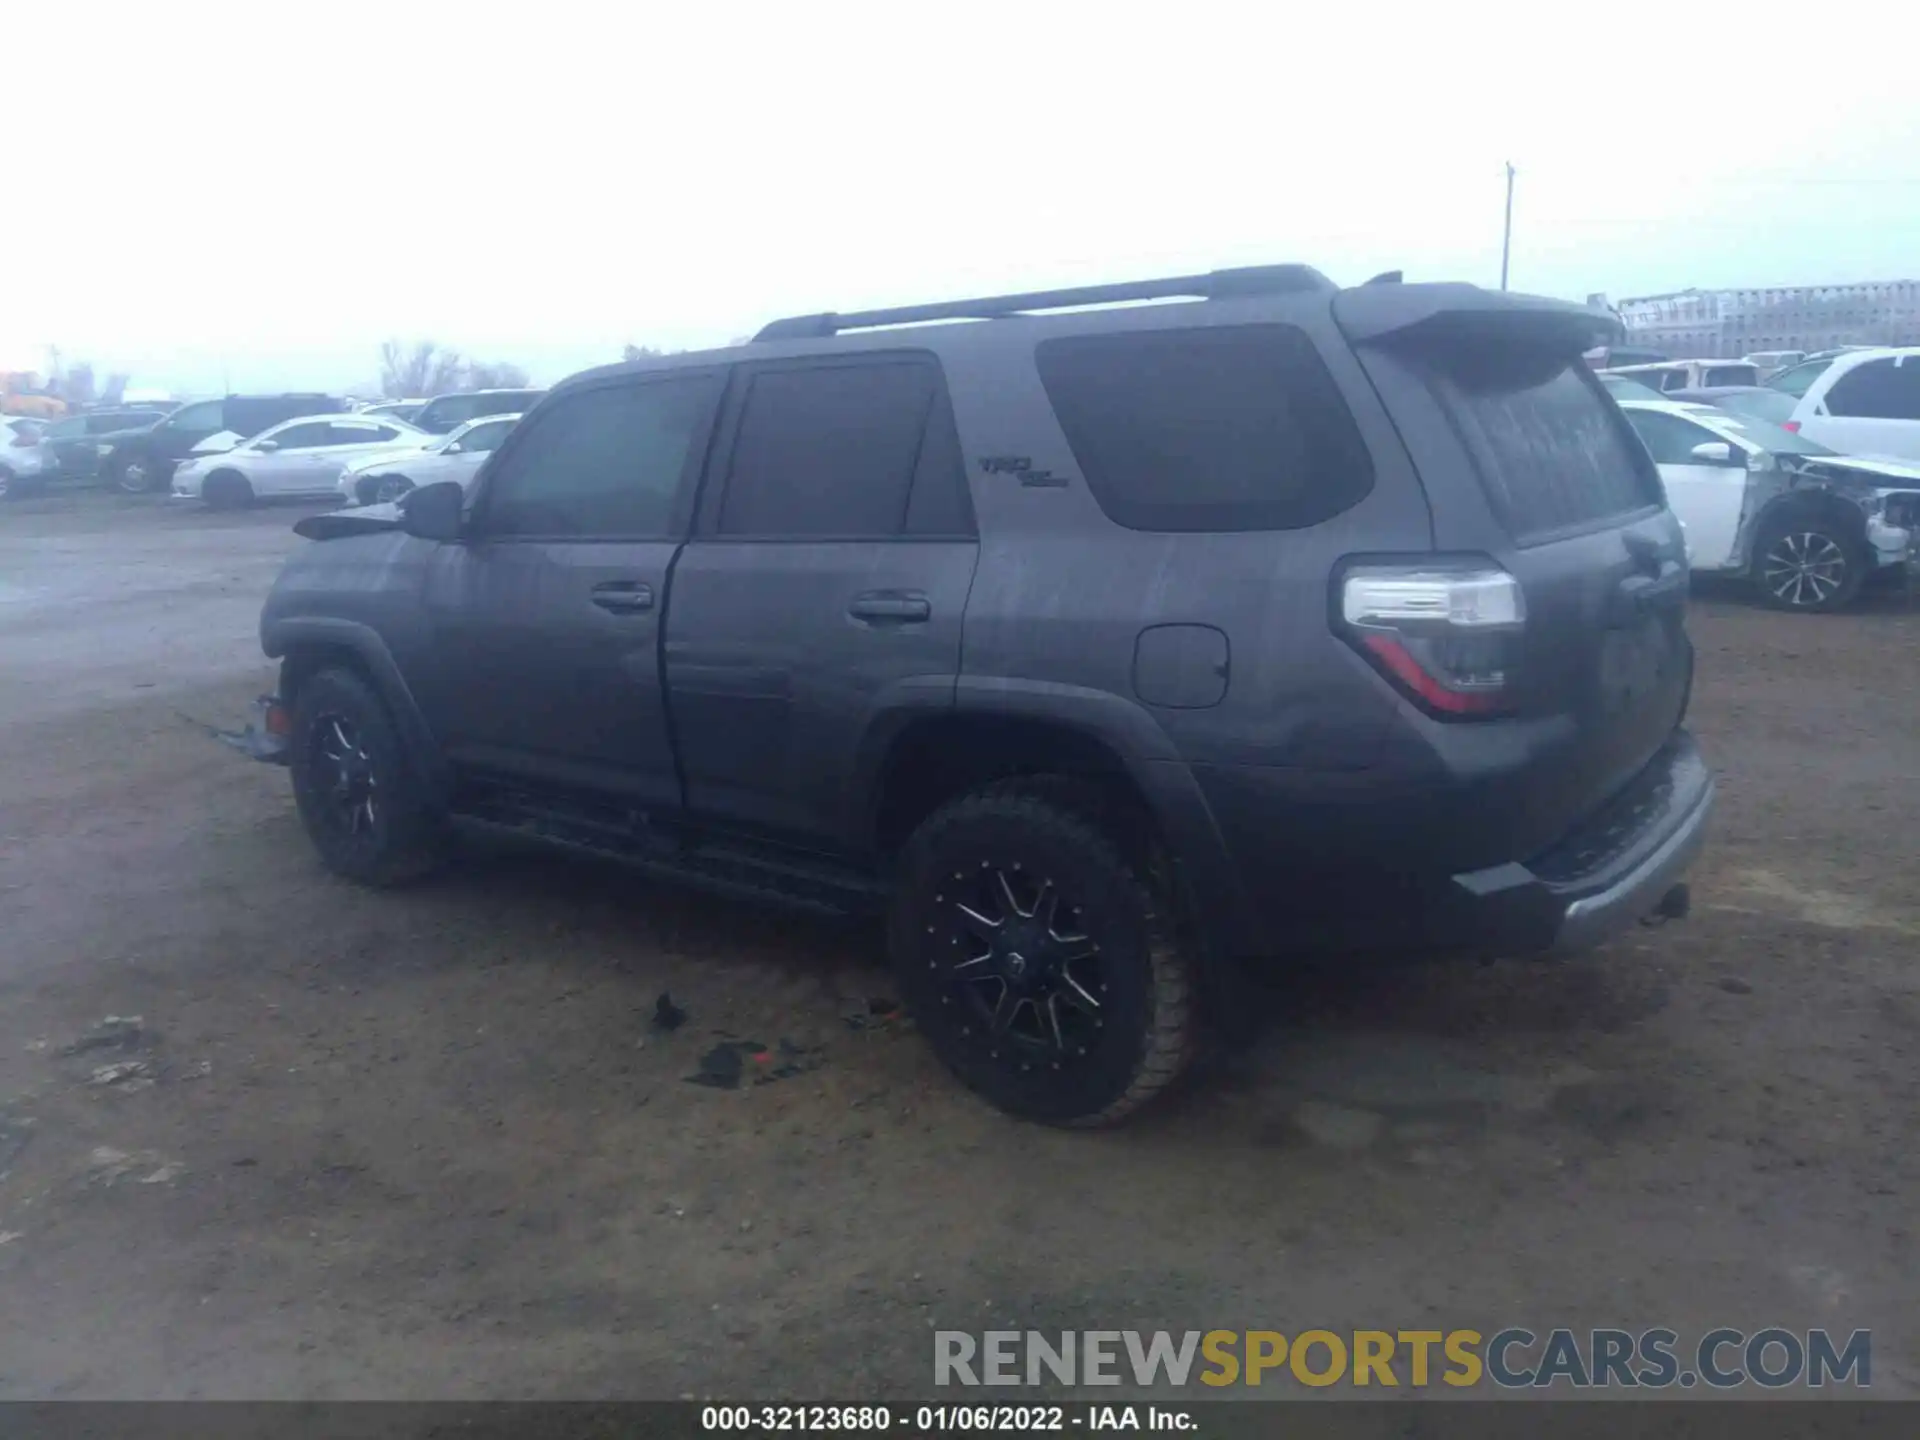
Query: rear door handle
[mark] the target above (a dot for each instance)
(624, 597)
(898, 606)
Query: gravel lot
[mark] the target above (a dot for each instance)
(426, 1144)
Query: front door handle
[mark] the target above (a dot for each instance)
(898, 606)
(624, 597)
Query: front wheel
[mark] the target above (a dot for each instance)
(363, 803)
(1805, 563)
(392, 487)
(226, 490)
(1037, 962)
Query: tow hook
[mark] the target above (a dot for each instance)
(267, 735)
(1673, 905)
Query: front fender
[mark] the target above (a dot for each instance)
(288, 638)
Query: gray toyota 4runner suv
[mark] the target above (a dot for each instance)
(1106, 650)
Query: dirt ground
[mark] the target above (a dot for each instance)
(426, 1144)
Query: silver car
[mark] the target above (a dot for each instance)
(391, 474)
(303, 456)
(23, 459)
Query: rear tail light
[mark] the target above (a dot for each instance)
(1449, 639)
(1792, 427)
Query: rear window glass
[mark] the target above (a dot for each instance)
(1730, 375)
(1223, 428)
(1552, 453)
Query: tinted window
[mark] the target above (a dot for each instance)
(940, 504)
(1228, 428)
(1730, 375)
(1552, 453)
(601, 462)
(1880, 390)
(1668, 438)
(1768, 405)
(341, 434)
(70, 429)
(828, 450)
(483, 438)
(1800, 378)
(303, 437)
(207, 415)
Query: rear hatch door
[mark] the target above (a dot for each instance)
(1526, 460)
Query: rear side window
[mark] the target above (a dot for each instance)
(1222, 428)
(828, 450)
(1731, 375)
(1553, 454)
(1878, 390)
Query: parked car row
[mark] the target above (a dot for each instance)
(240, 447)
(1808, 485)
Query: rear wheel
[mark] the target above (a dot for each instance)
(361, 800)
(1807, 563)
(226, 490)
(135, 474)
(1038, 963)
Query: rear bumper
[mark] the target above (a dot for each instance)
(1615, 870)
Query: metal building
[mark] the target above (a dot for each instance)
(1722, 324)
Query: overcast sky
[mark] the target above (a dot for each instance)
(254, 194)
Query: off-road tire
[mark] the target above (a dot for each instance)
(405, 836)
(1786, 535)
(1147, 1017)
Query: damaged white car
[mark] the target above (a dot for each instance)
(1806, 525)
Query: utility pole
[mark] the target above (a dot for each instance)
(1506, 233)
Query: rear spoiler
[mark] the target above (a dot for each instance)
(1381, 314)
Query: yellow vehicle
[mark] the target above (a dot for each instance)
(22, 394)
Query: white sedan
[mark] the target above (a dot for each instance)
(297, 457)
(1806, 525)
(390, 474)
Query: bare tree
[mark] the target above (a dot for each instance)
(639, 352)
(116, 387)
(420, 370)
(76, 386)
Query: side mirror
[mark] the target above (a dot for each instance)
(454, 447)
(434, 512)
(1713, 452)
(267, 447)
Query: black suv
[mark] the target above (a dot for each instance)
(75, 443)
(145, 461)
(1105, 651)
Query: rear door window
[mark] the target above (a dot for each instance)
(1222, 428)
(828, 450)
(1552, 453)
(1879, 390)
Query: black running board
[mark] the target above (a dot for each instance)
(722, 864)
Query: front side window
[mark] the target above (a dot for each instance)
(483, 439)
(607, 462)
(308, 435)
(208, 416)
(340, 433)
(1799, 379)
(828, 450)
(1668, 438)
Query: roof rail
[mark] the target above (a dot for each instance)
(1218, 285)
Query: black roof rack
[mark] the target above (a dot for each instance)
(1218, 285)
